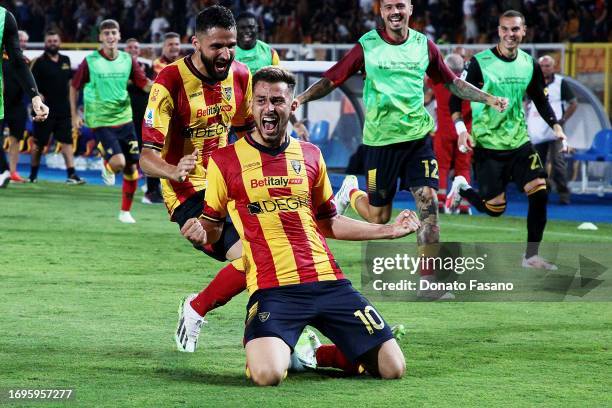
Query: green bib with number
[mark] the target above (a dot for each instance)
(393, 90)
(107, 102)
(510, 79)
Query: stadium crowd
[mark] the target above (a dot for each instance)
(322, 21)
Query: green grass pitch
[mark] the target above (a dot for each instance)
(90, 304)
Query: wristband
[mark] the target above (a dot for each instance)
(460, 127)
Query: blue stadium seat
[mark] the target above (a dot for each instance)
(319, 133)
(600, 151)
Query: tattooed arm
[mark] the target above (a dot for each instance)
(465, 90)
(317, 91)
(427, 206)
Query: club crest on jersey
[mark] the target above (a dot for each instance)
(263, 316)
(227, 92)
(297, 166)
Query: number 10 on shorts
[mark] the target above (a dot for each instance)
(370, 322)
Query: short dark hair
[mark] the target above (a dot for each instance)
(171, 34)
(108, 24)
(245, 15)
(214, 17)
(49, 33)
(511, 14)
(273, 74)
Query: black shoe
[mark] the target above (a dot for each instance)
(75, 180)
(33, 179)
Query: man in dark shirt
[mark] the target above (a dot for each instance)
(10, 43)
(52, 73)
(15, 111)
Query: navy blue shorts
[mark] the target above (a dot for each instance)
(413, 163)
(193, 208)
(119, 140)
(495, 169)
(335, 308)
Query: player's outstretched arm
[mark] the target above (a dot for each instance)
(200, 231)
(348, 229)
(318, 90)
(465, 90)
(154, 165)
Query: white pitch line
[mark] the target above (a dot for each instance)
(563, 234)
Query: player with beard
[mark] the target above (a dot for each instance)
(277, 192)
(105, 75)
(52, 72)
(192, 105)
(396, 132)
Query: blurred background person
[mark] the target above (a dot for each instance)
(550, 148)
(52, 72)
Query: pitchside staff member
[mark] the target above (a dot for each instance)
(53, 72)
(9, 41)
(564, 104)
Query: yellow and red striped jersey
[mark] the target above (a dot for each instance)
(186, 111)
(274, 198)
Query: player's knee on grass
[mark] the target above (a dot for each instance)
(266, 375)
(267, 360)
(385, 361)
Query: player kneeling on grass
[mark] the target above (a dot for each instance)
(277, 193)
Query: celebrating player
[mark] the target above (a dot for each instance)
(256, 54)
(502, 150)
(9, 41)
(277, 193)
(105, 74)
(192, 105)
(397, 125)
(52, 72)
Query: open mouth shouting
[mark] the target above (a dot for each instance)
(269, 124)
